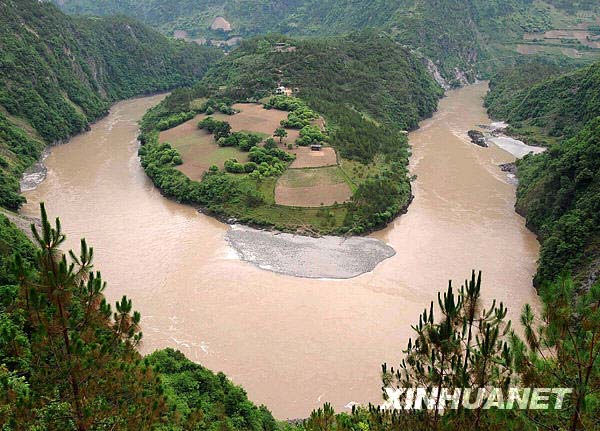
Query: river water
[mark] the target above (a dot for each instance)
(292, 343)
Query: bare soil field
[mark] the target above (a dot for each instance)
(254, 118)
(312, 187)
(220, 23)
(180, 34)
(529, 49)
(198, 149)
(306, 158)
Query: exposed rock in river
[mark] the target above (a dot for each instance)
(301, 256)
(477, 138)
(511, 168)
(511, 171)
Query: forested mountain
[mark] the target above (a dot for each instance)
(559, 190)
(365, 73)
(546, 99)
(58, 74)
(461, 37)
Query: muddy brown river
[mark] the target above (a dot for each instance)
(293, 343)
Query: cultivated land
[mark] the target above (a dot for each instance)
(254, 118)
(312, 187)
(313, 179)
(306, 158)
(198, 149)
(574, 41)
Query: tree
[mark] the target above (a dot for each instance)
(270, 143)
(222, 130)
(310, 135)
(281, 133)
(77, 355)
(564, 351)
(464, 349)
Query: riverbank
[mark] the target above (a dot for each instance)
(498, 135)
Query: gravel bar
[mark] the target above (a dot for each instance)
(330, 257)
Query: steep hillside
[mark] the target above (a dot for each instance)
(58, 74)
(559, 190)
(460, 37)
(544, 100)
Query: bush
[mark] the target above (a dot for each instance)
(220, 129)
(310, 135)
(234, 167)
(270, 143)
(250, 167)
(174, 120)
(241, 140)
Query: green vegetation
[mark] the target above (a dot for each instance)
(461, 38)
(13, 242)
(108, 59)
(310, 135)
(18, 151)
(545, 98)
(331, 77)
(462, 343)
(175, 120)
(220, 129)
(58, 74)
(69, 361)
(559, 190)
(559, 193)
(300, 115)
(200, 399)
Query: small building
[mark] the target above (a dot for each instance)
(316, 147)
(283, 47)
(280, 90)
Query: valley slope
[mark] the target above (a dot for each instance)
(58, 74)
(559, 190)
(461, 38)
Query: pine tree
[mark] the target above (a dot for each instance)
(464, 349)
(564, 351)
(82, 358)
